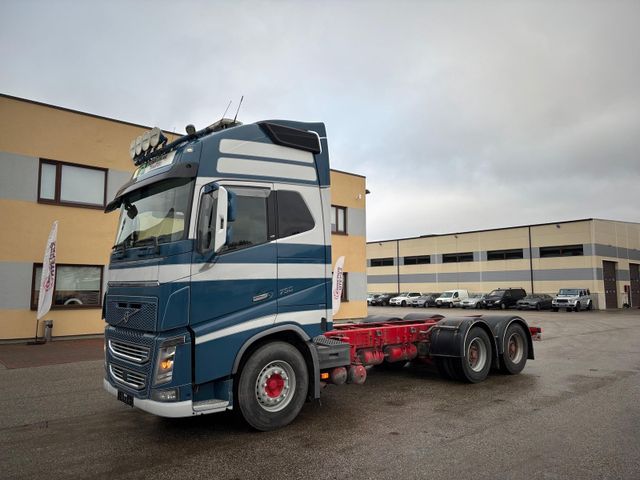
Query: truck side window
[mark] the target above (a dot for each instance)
(250, 225)
(293, 214)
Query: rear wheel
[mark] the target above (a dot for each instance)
(589, 306)
(515, 350)
(272, 387)
(476, 363)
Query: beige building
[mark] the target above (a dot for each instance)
(65, 165)
(601, 255)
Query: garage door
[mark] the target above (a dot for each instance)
(610, 284)
(634, 274)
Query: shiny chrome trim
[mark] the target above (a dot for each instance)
(117, 373)
(141, 359)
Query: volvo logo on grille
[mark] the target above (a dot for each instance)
(130, 311)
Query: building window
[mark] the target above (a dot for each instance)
(513, 254)
(457, 257)
(417, 260)
(562, 251)
(338, 219)
(382, 262)
(62, 183)
(77, 286)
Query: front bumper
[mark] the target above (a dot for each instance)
(162, 409)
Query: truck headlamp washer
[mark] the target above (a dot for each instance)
(275, 386)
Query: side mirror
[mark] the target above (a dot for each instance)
(212, 219)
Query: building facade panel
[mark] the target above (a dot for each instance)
(543, 259)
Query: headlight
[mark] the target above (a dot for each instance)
(166, 358)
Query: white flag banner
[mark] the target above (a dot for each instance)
(337, 284)
(48, 277)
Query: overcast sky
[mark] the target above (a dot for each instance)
(462, 115)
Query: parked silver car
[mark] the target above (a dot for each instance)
(474, 300)
(572, 299)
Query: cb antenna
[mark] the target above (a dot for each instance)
(225, 112)
(234, 118)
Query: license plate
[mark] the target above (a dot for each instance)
(126, 398)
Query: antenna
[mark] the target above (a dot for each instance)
(225, 112)
(234, 118)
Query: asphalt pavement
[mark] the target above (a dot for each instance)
(573, 413)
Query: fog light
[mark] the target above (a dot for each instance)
(170, 395)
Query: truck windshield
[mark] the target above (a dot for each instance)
(157, 213)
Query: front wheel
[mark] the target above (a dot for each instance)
(272, 387)
(515, 350)
(589, 306)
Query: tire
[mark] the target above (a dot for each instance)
(450, 304)
(577, 307)
(268, 407)
(503, 306)
(403, 304)
(554, 309)
(537, 306)
(476, 363)
(515, 350)
(589, 306)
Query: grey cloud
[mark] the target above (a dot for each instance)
(462, 115)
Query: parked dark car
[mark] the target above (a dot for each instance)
(503, 298)
(383, 299)
(426, 300)
(538, 301)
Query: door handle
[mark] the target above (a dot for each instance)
(262, 296)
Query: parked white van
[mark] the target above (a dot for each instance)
(451, 298)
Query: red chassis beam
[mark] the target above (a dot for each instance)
(397, 340)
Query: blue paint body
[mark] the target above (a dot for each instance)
(162, 292)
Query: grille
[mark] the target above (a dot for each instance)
(560, 300)
(131, 379)
(139, 313)
(133, 353)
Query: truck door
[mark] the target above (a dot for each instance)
(233, 292)
(302, 257)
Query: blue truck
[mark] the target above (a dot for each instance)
(219, 292)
